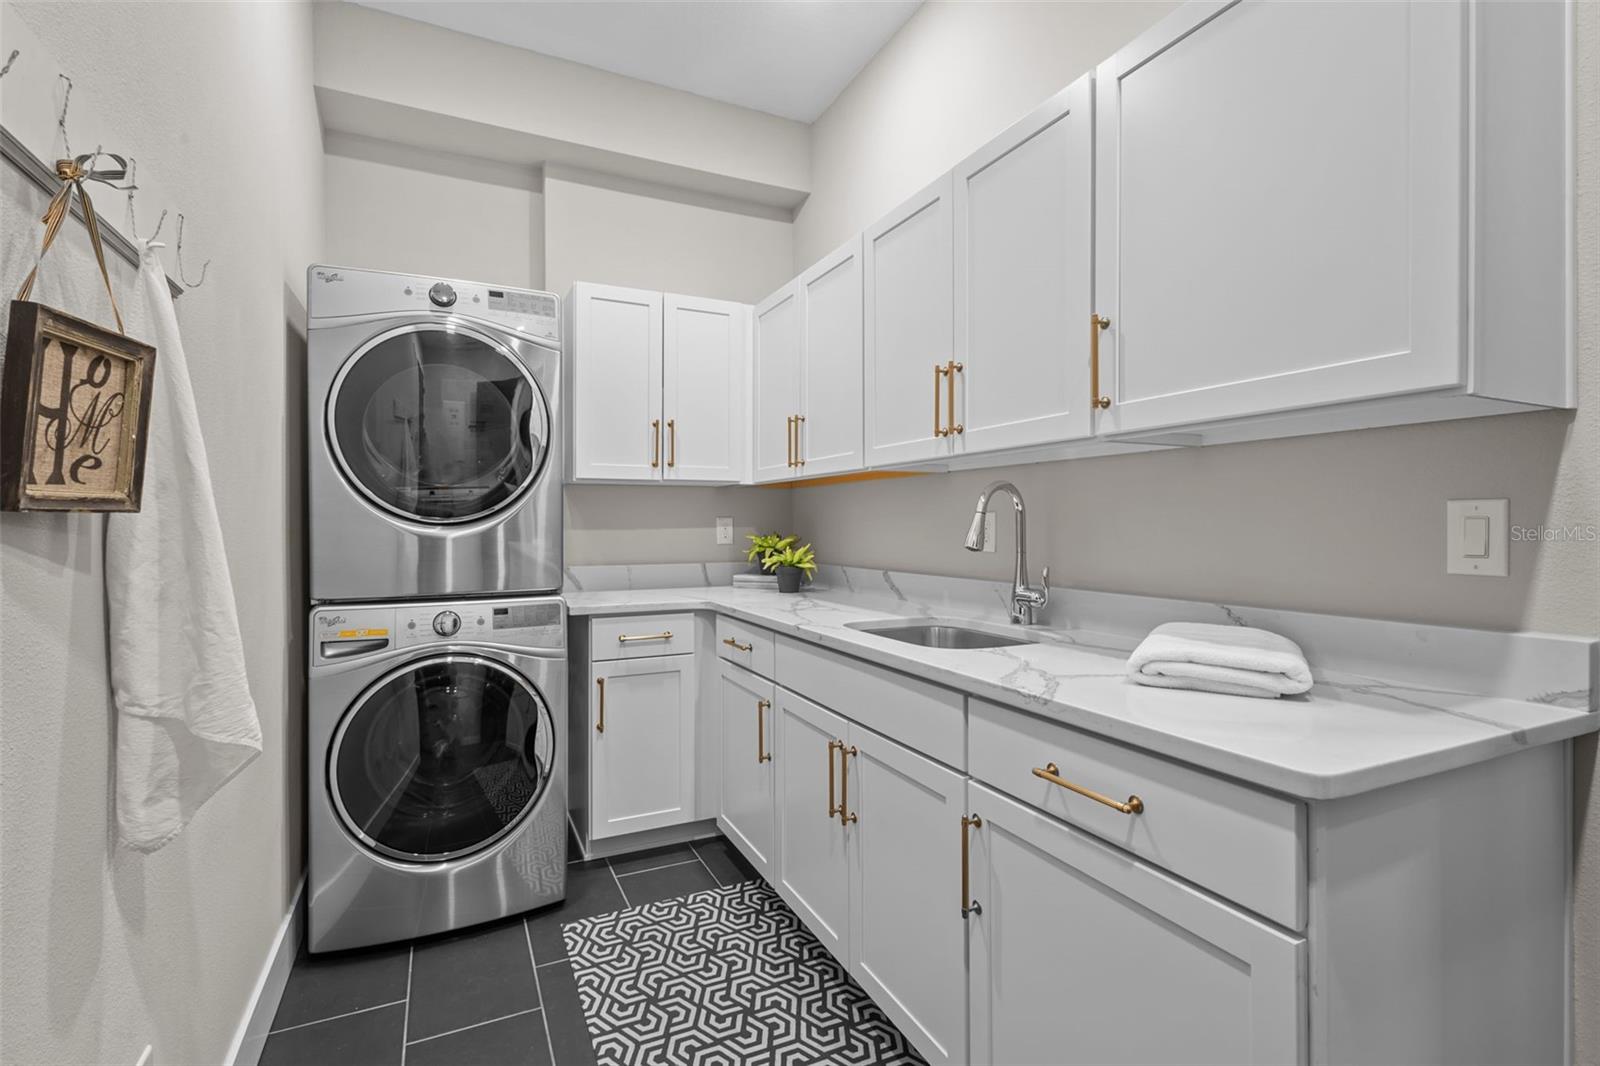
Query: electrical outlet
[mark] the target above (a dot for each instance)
(724, 529)
(988, 531)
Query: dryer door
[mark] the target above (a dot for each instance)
(441, 758)
(438, 422)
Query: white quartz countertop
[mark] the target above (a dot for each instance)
(1349, 734)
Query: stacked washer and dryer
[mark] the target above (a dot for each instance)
(437, 688)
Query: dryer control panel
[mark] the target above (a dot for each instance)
(337, 292)
(339, 633)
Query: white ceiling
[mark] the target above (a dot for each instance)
(784, 57)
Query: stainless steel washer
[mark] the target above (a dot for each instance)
(433, 437)
(437, 785)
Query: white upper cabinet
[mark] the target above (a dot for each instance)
(657, 386)
(614, 384)
(776, 394)
(908, 350)
(705, 347)
(830, 410)
(1283, 213)
(1023, 262)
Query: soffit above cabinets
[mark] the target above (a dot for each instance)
(785, 57)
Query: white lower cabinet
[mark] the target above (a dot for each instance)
(813, 870)
(906, 935)
(746, 812)
(1081, 953)
(641, 744)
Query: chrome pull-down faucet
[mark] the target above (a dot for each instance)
(1025, 598)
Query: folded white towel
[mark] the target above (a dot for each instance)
(1235, 660)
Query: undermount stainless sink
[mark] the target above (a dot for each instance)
(942, 635)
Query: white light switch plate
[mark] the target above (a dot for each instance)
(724, 530)
(1476, 536)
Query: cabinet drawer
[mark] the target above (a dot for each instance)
(641, 635)
(904, 708)
(747, 645)
(1246, 845)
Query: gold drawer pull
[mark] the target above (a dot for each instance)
(672, 442)
(938, 423)
(833, 808)
(655, 431)
(625, 638)
(736, 646)
(600, 726)
(846, 816)
(762, 754)
(1052, 774)
(968, 904)
(1096, 324)
(799, 442)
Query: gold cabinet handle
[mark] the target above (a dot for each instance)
(1052, 774)
(1096, 324)
(846, 816)
(762, 754)
(833, 808)
(799, 442)
(969, 905)
(736, 646)
(672, 442)
(628, 638)
(788, 440)
(655, 432)
(951, 370)
(600, 726)
(938, 423)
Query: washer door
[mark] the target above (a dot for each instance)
(438, 422)
(441, 758)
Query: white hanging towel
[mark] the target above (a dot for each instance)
(1235, 660)
(186, 722)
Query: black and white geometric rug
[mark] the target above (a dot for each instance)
(727, 977)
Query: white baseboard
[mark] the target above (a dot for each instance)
(649, 838)
(251, 1036)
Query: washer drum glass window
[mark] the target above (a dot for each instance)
(441, 758)
(438, 422)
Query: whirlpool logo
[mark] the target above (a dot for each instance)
(328, 275)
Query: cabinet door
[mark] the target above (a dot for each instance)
(642, 748)
(830, 311)
(749, 735)
(777, 384)
(1023, 259)
(906, 258)
(1084, 954)
(616, 384)
(1265, 243)
(705, 347)
(907, 941)
(813, 876)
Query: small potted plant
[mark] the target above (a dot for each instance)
(791, 564)
(761, 544)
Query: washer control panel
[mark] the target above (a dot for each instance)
(359, 631)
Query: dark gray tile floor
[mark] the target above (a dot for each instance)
(501, 994)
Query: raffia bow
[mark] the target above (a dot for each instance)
(73, 173)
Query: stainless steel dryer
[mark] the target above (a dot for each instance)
(434, 439)
(437, 783)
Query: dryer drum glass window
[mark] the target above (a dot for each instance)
(441, 758)
(438, 423)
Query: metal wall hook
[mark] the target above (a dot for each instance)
(61, 119)
(187, 283)
(10, 59)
